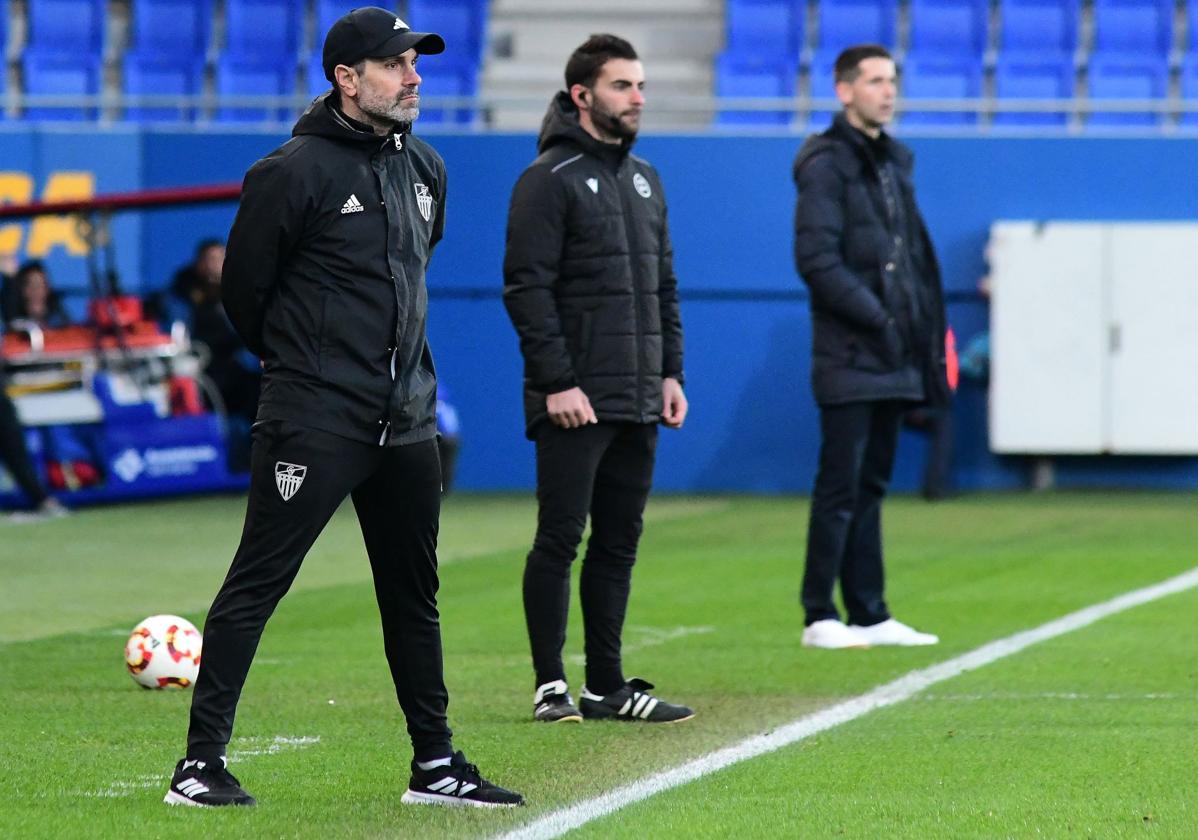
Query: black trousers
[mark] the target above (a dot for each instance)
(606, 470)
(397, 495)
(844, 536)
(13, 453)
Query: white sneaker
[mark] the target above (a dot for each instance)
(894, 632)
(832, 635)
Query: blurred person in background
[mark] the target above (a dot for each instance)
(878, 329)
(14, 455)
(34, 300)
(589, 286)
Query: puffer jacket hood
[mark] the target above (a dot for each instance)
(561, 125)
(324, 118)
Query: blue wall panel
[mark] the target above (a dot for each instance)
(753, 425)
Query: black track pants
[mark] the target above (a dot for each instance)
(606, 470)
(397, 495)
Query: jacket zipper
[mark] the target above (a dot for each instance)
(636, 293)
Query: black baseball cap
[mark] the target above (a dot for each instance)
(371, 32)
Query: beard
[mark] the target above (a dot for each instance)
(610, 123)
(386, 111)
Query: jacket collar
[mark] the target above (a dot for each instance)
(887, 145)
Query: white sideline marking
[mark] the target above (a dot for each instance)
(557, 823)
(251, 747)
(650, 637)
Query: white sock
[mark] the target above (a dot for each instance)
(436, 762)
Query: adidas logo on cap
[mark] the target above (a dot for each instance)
(352, 206)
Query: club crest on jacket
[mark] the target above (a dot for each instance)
(424, 201)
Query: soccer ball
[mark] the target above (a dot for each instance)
(164, 652)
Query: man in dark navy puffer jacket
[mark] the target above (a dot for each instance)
(589, 285)
(878, 328)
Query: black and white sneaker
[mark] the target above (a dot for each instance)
(205, 784)
(456, 784)
(632, 702)
(552, 704)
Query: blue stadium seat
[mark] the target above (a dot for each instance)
(260, 31)
(444, 77)
(1032, 77)
(1127, 77)
(765, 29)
(327, 12)
(1133, 26)
(1048, 27)
(460, 22)
(740, 77)
(240, 76)
(170, 27)
(821, 84)
(1192, 29)
(314, 75)
(1189, 89)
(56, 73)
(66, 26)
(843, 23)
(160, 75)
(940, 77)
(947, 27)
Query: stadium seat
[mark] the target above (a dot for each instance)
(1189, 90)
(1191, 7)
(170, 27)
(1127, 77)
(327, 12)
(821, 84)
(263, 31)
(843, 23)
(1031, 77)
(1133, 26)
(1048, 27)
(443, 77)
(741, 78)
(460, 22)
(947, 27)
(161, 75)
(66, 26)
(238, 76)
(768, 30)
(314, 75)
(54, 73)
(943, 77)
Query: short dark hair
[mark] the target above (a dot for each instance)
(205, 244)
(848, 63)
(586, 61)
(27, 268)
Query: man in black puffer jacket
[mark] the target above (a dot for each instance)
(878, 324)
(589, 285)
(324, 281)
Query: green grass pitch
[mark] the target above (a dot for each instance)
(1091, 734)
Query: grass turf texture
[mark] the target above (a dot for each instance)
(1086, 735)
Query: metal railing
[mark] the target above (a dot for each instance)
(666, 112)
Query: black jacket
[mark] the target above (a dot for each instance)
(864, 252)
(589, 275)
(324, 278)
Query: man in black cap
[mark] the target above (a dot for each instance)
(324, 280)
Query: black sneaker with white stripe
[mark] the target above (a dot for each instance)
(632, 702)
(456, 784)
(205, 784)
(552, 704)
